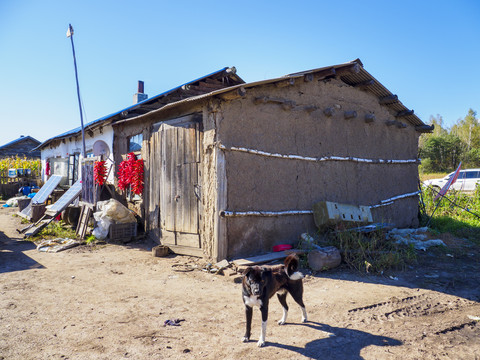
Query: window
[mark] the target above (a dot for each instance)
(73, 168)
(135, 143)
(471, 175)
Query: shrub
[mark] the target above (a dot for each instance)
(370, 253)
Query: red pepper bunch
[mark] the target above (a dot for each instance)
(99, 172)
(137, 178)
(122, 173)
(130, 172)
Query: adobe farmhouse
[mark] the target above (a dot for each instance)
(235, 171)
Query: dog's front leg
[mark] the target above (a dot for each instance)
(264, 311)
(248, 317)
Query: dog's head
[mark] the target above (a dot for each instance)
(254, 280)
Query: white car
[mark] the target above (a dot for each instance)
(467, 181)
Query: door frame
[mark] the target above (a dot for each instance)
(172, 238)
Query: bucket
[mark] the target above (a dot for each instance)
(23, 203)
(160, 251)
(37, 212)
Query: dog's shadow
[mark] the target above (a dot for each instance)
(340, 343)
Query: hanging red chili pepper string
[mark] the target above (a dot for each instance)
(122, 184)
(137, 179)
(99, 172)
(130, 172)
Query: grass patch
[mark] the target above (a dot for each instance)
(56, 229)
(370, 253)
(90, 240)
(424, 177)
(457, 215)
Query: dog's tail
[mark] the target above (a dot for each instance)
(291, 267)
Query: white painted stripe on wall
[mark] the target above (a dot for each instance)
(306, 212)
(319, 159)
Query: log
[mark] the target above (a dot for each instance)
(308, 77)
(424, 128)
(310, 108)
(331, 72)
(284, 83)
(241, 91)
(364, 84)
(329, 111)
(288, 105)
(355, 68)
(352, 69)
(260, 100)
(369, 118)
(404, 113)
(388, 99)
(350, 114)
(235, 94)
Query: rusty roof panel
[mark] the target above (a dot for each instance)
(352, 73)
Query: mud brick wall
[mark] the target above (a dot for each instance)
(309, 119)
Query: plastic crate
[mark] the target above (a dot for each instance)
(122, 232)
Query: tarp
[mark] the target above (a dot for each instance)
(56, 245)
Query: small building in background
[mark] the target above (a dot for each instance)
(23, 147)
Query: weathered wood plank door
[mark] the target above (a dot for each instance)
(178, 144)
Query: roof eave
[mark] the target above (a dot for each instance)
(352, 73)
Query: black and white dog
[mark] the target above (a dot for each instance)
(259, 285)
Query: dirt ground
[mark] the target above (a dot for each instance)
(112, 301)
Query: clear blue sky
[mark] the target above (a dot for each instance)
(427, 52)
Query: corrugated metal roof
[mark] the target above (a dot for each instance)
(105, 119)
(17, 140)
(165, 93)
(357, 75)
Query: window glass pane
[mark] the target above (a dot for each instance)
(472, 174)
(135, 143)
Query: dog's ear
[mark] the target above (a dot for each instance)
(245, 271)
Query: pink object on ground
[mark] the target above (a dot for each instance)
(282, 247)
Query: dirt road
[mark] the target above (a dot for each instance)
(111, 302)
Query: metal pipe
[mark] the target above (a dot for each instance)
(70, 35)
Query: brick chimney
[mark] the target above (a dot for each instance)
(139, 96)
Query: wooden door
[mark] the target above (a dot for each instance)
(177, 159)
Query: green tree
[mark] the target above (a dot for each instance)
(438, 130)
(443, 152)
(444, 148)
(437, 122)
(468, 130)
